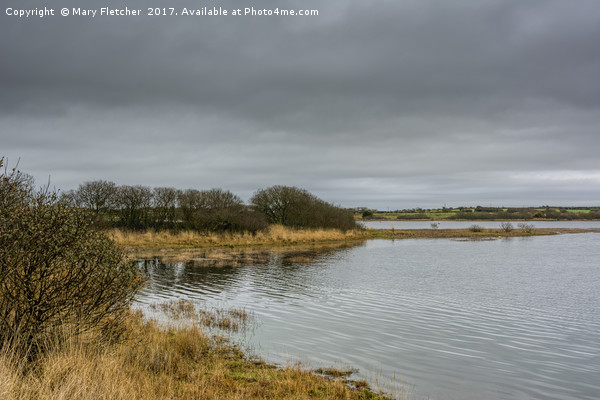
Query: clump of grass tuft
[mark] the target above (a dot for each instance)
(176, 309)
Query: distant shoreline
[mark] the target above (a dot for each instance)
(469, 234)
(473, 220)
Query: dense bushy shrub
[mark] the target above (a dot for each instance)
(56, 269)
(295, 207)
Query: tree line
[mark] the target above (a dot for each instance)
(142, 207)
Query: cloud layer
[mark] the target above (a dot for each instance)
(382, 104)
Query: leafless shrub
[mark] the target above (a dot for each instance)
(476, 228)
(527, 228)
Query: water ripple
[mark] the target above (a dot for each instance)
(492, 320)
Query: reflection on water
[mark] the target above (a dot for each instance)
(499, 319)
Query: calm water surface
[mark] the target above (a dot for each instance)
(503, 319)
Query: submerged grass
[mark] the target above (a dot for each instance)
(336, 372)
(230, 319)
(161, 362)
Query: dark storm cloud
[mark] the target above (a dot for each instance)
(384, 103)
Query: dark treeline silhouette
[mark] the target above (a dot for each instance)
(142, 207)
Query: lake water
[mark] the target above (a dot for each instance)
(516, 318)
(485, 224)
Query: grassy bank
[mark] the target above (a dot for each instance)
(281, 236)
(155, 362)
(275, 235)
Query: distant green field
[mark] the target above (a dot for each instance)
(571, 210)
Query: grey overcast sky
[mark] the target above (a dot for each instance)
(384, 104)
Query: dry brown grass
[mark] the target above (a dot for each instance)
(281, 236)
(158, 362)
(275, 235)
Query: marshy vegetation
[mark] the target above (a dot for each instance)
(160, 362)
(230, 319)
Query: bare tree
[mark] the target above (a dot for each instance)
(190, 201)
(134, 203)
(97, 196)
(165, 204)
(218, 199)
